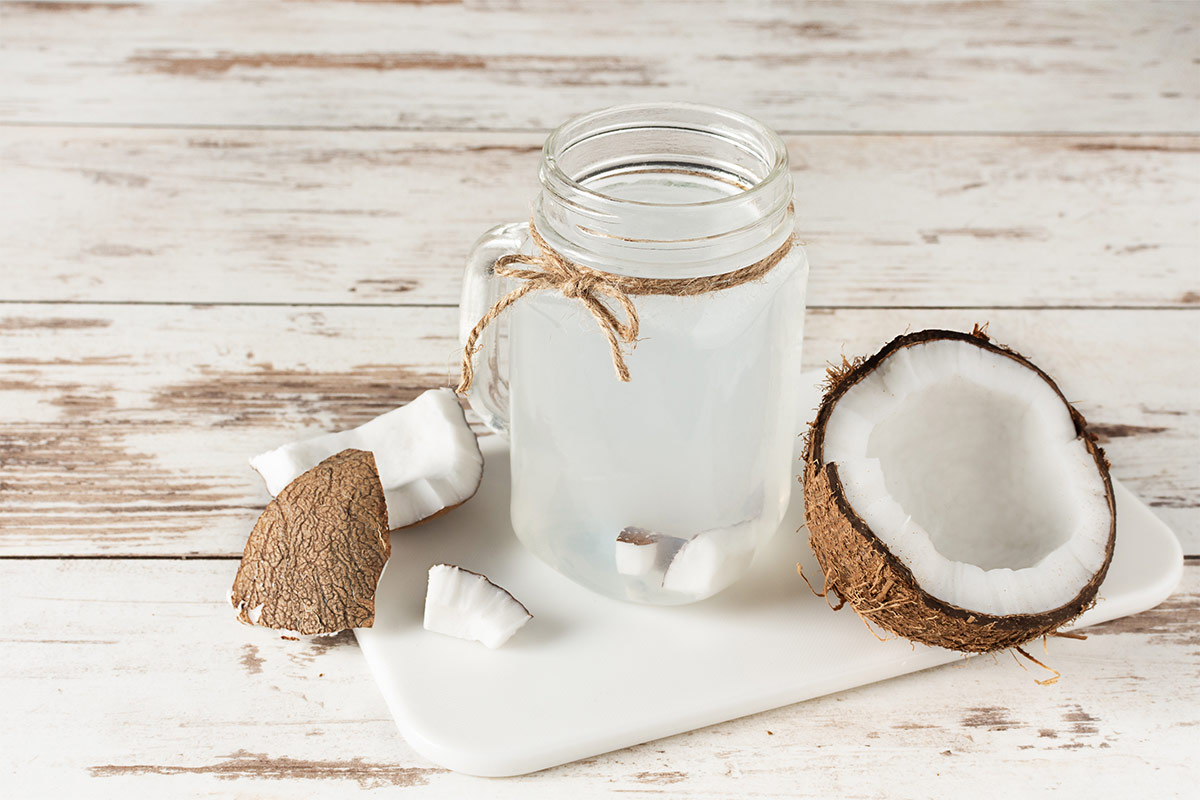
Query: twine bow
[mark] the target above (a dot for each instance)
(569, 279)
(591, 287)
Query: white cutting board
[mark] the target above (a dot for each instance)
(588, 675)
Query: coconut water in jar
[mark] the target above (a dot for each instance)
(661, 489)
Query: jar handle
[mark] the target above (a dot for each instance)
(488, 394)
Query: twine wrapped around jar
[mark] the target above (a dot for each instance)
(589, 286)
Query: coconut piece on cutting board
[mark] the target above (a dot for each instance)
(467, 605)
(953, 495)
(428, 458)
(313, 561)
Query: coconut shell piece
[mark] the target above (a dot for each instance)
(313, 560)
(862, 572)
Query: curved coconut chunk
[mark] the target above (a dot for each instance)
(639, 552)
(428, 457)
(710, 561)
(967, 465)
(423, 498)
(467, 605)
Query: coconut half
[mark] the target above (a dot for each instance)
(428, 457)
(954, 497)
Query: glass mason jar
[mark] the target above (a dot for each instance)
(660, 489)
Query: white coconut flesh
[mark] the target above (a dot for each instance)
(967, 467)
(710, 561)
(467, 605)
(427, 456)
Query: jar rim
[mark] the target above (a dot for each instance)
(639, 236)
(624, 117)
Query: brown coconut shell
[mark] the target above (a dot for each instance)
(863, 572)
(313, 561)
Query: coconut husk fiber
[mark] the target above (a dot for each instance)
(865, 574)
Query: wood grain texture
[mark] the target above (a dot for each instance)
(155, 155)
(126, 429)
(931, 66)
(137, 681)
(387, 217)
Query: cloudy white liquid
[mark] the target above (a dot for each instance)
(699, 440)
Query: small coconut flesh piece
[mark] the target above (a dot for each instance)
(313, 560)
(467, 605)
(710, 561)
(429, 460)
(641, 552)
(953, 495)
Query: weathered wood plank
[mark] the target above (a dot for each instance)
(125, 429)
(932, 66)
(131, 678)
(387, 217)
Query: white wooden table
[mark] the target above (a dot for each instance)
(225, 225)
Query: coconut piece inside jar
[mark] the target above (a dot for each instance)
(640, 552)
(710, 561)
